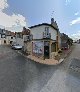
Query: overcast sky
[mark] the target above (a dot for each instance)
(14, 14)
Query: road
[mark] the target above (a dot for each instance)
(18, 74)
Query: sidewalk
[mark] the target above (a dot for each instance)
(55, 61)
(38, 60)
(46, 61)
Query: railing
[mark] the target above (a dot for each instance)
(47, 35)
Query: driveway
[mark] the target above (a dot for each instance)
(18, 74)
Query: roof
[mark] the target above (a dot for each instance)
(44, 24)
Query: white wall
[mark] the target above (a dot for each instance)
(8, 39)
(20, 41)
(37, 32)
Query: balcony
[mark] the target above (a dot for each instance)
(28, 38)
(46, 36)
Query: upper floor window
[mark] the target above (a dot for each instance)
(47, 30)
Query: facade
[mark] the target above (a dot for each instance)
(66, 42)
(6, 37)
(45, 40)
(19, 38)
(23, 38)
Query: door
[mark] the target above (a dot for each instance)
(46, 50)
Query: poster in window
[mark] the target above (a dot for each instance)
(38, 47)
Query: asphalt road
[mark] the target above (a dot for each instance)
(18, 74)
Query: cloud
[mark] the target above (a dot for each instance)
(67, 1)
(7, 21)
(76, 36)
(3, 4)
(76, 21)
(76, 13)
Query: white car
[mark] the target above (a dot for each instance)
(17, 47)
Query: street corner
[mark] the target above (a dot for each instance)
(45, 62)
(61, 60)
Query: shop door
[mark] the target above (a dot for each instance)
(46, 50)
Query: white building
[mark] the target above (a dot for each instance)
(6, 37)
(46, 40)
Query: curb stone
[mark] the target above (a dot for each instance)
(60, 61)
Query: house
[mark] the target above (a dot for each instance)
(66, 41)
(45, 40)
(19, 38)
(2, 36)
(6, 37)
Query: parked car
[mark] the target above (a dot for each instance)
(65, 46)
(16, 47)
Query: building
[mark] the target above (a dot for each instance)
(66, 41)
(45, 40)
(6, 37)
(19, 38)
(22, 38)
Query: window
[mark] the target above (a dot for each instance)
(3, 36)
(11, 37)
(47, 30)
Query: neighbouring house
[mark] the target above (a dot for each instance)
(66, 42)
(78, 41)
(22, 38)
(19, 38)
(45, 40)
(10, 37)
(2, 36)
(27, 37)
(6, 37)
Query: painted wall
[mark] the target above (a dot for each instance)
(20, 41)
(37, 32)
(28, 47)
(8, 39)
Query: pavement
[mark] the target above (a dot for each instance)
(48, 61)
(18, 74)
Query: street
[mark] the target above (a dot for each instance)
(19, 74)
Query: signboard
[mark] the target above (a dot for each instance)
(38, 47)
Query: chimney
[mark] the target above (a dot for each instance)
(52, 21)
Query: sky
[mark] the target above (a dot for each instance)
(14, 14)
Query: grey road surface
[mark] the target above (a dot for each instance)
(18, 74)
